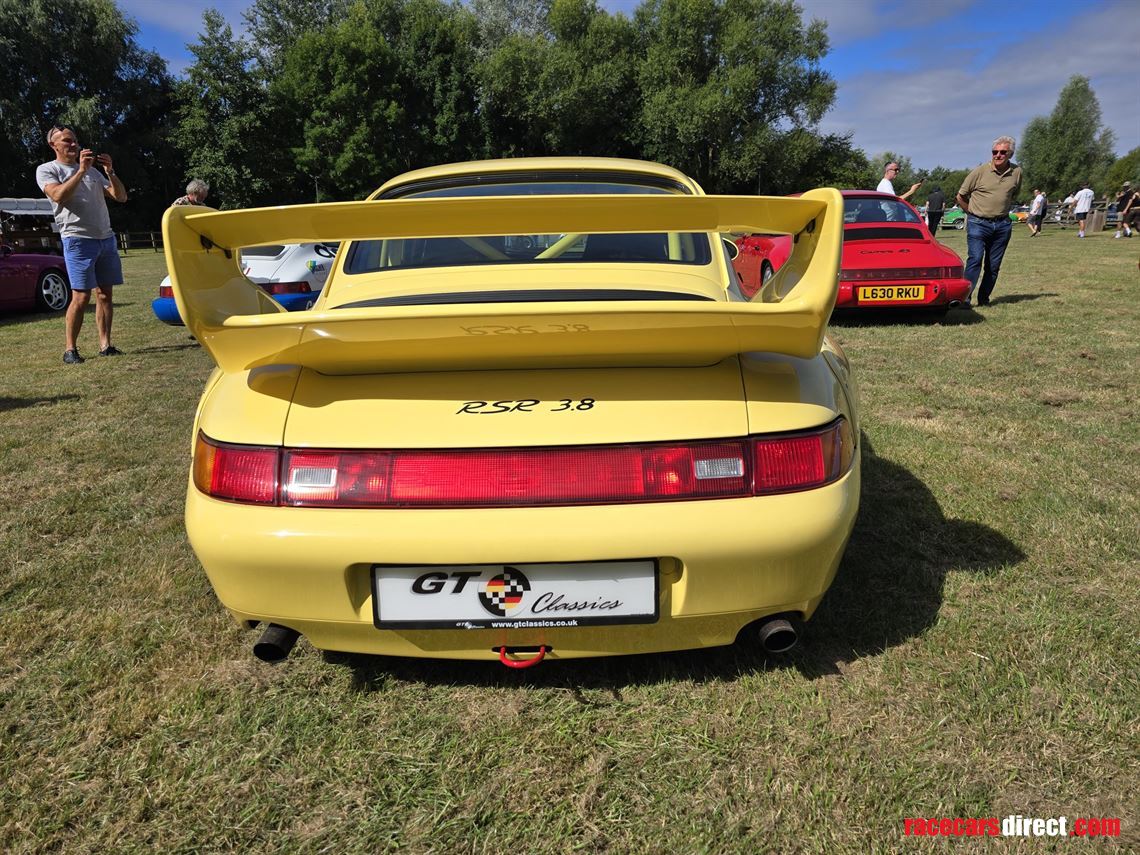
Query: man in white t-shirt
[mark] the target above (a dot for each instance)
(1082, 205)
(887, 184)
(1036, 213)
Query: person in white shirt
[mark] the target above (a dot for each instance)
(1036, 213)
(1082, 205)
(887, 185)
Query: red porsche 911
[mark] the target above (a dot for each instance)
(890, 259)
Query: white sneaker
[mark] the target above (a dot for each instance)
(1118, 236)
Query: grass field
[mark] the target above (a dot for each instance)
(976, 657)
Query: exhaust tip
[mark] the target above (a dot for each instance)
(275, 643)
(777, 636)
(954, 304)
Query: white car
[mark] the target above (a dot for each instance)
(293, 274)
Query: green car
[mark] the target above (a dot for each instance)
(955, 218)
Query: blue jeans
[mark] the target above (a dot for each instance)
(986, 241)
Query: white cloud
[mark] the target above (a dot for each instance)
(183, 17)
(948, 114)
(850, 20)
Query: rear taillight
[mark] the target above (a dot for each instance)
(286, 287)
(165, 291)
(884, 273)
(242, 473)
(527, 477)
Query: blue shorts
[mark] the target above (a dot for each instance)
(92, 263)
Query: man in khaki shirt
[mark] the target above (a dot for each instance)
(987, 194)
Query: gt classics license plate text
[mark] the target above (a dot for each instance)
(476, 596)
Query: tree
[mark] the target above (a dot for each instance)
(274, 25)
(224, 130)
(1126, 168)
(1070, 146)
(76, 62)
(389, 88)
(569, 91)
(728, 86)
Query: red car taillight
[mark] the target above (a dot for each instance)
(165, 291)
(286, 287)
(882, 273)
(589, 475)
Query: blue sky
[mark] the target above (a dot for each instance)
(935, 80)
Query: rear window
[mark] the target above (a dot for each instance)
(877, 210)
(659, 248)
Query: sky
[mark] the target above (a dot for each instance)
(933, 80)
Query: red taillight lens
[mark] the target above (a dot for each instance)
(286, 287)
(885, 273)
(515, 477)
(528, 477)
(243, 473)
(165, 291)
(801, 462)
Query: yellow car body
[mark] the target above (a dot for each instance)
(519, 358)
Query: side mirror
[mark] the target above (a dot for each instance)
(731, 248)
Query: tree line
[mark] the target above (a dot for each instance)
(325, 99)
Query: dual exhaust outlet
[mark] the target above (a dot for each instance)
(776, 635)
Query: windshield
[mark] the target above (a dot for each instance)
(370, 256)
(877, 210)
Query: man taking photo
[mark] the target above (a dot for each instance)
(78, 194)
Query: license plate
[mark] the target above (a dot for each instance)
(895, 293)
(514, 596)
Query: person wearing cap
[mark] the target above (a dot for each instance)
(1127, 211)
(986, 195)
(78, 193)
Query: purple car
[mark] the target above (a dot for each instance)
(30, 281)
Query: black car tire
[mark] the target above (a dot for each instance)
(766, 273)
(53, 293)
(961, 224)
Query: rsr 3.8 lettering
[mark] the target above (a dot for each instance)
(525, 405)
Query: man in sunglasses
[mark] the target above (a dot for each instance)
(986, 195)
(79, 194)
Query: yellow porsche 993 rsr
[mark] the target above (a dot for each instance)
(530, 415)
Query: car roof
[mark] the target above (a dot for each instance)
(510, 165)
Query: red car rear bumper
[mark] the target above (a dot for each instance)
(914, 294)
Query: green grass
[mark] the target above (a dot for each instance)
(977, 655)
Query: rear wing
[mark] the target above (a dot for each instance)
(242, 328)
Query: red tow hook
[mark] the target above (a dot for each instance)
(522, 663)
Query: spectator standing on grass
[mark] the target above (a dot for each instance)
(1082, 205)
(1126, 209)
(1036, 212)
(887, 184)
(78, 193)
(935, 207)
(986, 196)
(196, 192)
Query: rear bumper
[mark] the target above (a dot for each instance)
(724, 564)
(937, 293)
(296, 302)
(166, 310)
